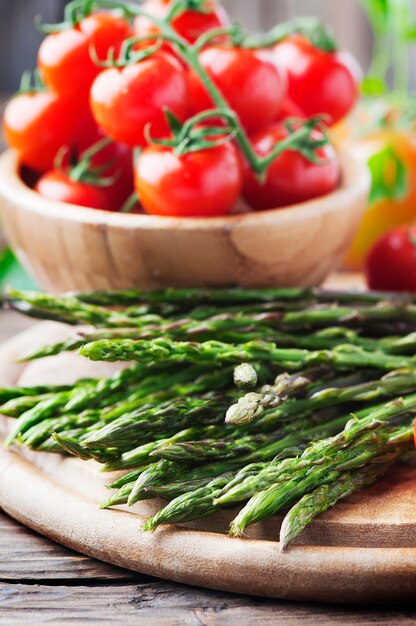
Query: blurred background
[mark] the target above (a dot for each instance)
(19, 40)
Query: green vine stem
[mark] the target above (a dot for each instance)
(81, 169)
(309, 27)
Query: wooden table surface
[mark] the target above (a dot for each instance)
(44, 583)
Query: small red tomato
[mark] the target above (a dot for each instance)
(249, 81)
(206, 183)
(57, 185)
(291, 178)
(124, 101)
(64, 58)
(391, 262)
(37, 125)
(189, 24)
(319, 81)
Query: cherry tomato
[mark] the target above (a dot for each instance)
(385, 215)
(291, 178)
(124, 101)
(391, 262)
(189, 24)
(57, 185)
(64, 58)
(319, 81)
(250, 82)
(37, 125)
(198, 184)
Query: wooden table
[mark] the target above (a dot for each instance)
(44, 583)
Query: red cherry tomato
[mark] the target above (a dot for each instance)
(124, 101)
(189, 24)
(198, 184)
(319, 81)
(64, 58)
(291, 178)
(391, 262)
(37, 125)
(57, 185)
(248, 79)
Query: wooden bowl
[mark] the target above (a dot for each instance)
(65, 247)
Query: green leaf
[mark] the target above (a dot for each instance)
(174, 123)
(373, 86)
(388, 176)
(12, 273)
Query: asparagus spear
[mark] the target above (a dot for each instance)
(236, 445)
(172, 415)
(235, 295)
(21, 404)
(233, 328)
(168, 492)
(134, 458)
(14, 393)
(74, 310)
(65, 309)
(216, 353)
(181, 509)
(72, 447)
(325, 497)
(161, 470)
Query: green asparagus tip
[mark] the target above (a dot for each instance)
(236, 530)
(245, 376)
(248, 408)
(149, 526)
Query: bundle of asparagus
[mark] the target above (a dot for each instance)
(269, 398)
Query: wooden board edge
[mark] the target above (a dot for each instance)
(325, 574)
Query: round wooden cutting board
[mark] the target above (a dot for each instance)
(363, 550)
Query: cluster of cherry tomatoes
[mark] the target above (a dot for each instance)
(86, 101)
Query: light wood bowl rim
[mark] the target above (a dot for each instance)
(12, 188)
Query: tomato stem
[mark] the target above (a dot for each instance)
(178, 7)
(310, 27)
(31, 82)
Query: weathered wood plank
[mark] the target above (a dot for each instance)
(165, 604)
(26, 556)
